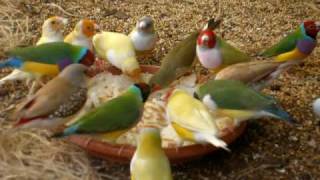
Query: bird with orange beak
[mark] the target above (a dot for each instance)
(82, 33)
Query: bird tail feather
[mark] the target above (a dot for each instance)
(11, 62)
(279, 113)
(66, 132)
(215, 141)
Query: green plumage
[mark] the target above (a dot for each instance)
(230, 94)
(230, 54)
(177, 62)
(119, 113)
(49, 53)
(285, 45)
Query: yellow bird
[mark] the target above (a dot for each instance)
(191, 119)
(118, 49)
(149, 162)
(82, 33)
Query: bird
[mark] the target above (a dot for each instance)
(82, 34)
(256, 74)
(316, 107)
(191, 119)
(113, 117)
(59, 99)
(47, 59)
(52, 29)
(179, 60)
(235, 99)
(297, 45)
(144, 36)
(149, 161)
(215, 54)
(118, 49)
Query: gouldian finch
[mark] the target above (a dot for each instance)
(118, 49)
(179, 60)
(149, 162)
(316, 107)
(257, 74)
(297, 45)
(144, 36)
(215, 54)
(82, 34)
(239, 101)
(51, 32)
(113, 117)
(60, 98)
(52, 29)
(191, 119)
(48, 59)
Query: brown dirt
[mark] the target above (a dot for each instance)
(269, 149)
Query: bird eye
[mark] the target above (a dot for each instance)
(53, 22)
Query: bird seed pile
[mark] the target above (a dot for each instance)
(269, 149)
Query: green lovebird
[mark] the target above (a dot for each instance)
(239, 101)
(113, 117)
(179, 60)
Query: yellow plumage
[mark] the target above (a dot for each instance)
(294, 54)
(149, 161)
(118, 49)
(192, 120)
(41, 69)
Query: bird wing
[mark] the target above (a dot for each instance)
(285, 45)
(48, 99)
(117, 114)
(231, 55)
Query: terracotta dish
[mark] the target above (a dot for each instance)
(123, 153)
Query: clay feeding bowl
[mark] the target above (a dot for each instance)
(123, 152)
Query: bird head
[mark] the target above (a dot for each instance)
(145, 24)
(207, 39)
(312, 28)
(88, 59)
(54, 24)
(74, 73)
(86, 27)
(149, 136)
(144, 89)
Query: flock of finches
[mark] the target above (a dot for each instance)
(232, 88)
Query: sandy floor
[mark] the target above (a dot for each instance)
(269, 149)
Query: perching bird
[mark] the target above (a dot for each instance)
(297, 45)
(113, 117)
(316, 107)
(60, 98)
(257, 74)
(149, 162)
(82, 34)
(118, 49)
(52, 29)
(215, 54)
(238, 101)
(48, 59)
(191, 119)
(179, 60)
(144, 36)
